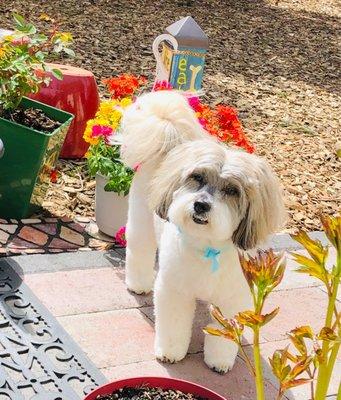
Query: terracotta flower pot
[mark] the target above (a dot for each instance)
(77, 94)
(111, 209)
(161, 382)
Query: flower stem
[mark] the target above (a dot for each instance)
(339, 393)
(326, 367)
(258, 365)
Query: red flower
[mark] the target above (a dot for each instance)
(124, 85)
(222, 122)
(54, 176)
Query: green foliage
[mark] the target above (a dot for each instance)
(105, 160)
(22, 60)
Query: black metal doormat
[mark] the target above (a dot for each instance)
(38, 359)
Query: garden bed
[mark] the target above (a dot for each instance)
(273, 60)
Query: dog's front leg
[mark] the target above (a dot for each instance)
(141, 241)
(174, 313)
(220, 354)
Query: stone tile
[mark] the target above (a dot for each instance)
(96, 243)
(3, 221)
(10, 228)
(304, 306)
(33, 235)
(61, 244)
(84, 291)
(112, 338)
(77, 227)
(17, 243)
(66, 219)
(50, 229)
(14, 221)
(30, 221)
(34, 251)
(3, 237)
(82, 219)
(235, 385)
(71, 236)
(49, 220)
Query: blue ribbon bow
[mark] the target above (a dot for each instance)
(212, 254)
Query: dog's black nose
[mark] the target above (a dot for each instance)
(200, 207)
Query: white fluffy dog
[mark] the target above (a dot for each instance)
(215, 200)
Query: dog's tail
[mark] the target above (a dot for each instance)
(156, 123)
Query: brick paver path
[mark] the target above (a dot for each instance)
(115, 328)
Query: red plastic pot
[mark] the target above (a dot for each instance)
(77, 94)
(153, 381)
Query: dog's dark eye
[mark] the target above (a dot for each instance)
(231, 191)
(198, 178)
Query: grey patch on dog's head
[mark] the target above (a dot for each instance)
(162, 209)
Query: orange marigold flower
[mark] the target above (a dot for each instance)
(124, 85)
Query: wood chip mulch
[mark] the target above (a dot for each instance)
(276, 61)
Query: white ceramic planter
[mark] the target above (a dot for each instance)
(111, 209)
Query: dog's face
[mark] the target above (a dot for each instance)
(211, 192)
(208, 204)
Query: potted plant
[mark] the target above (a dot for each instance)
(150, 387)
(31, 132)
(314, 354)
(113, 179)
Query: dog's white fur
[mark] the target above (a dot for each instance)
(180, 164)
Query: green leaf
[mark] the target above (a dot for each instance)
(57, 73)
(69, 52)
(19, 20)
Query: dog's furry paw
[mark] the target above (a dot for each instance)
(139, 291)
(170, 357)
(219, 366)
(139, 288)
(166, 360)
(220, 356)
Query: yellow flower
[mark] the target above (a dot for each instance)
(45, 17)
(8, 38)
(125, 102)
(65, 37)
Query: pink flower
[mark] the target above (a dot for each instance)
(194, 102)
(162, 85)
(202, 122)
(136, 167)
(120, 237)
(21, 41)
(101, 130)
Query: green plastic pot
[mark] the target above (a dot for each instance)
(27, 158)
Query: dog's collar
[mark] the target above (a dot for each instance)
(210, 253)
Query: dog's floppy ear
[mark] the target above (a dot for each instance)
(166, 180)
(265, 210)
(161, 209)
